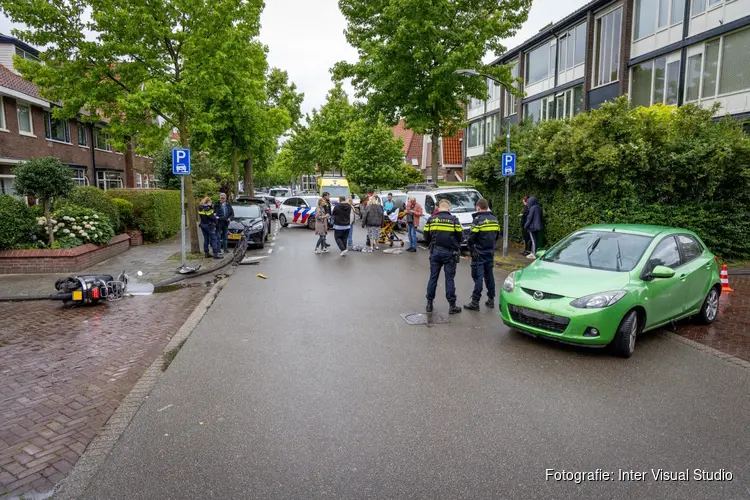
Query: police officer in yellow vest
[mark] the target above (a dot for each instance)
(444, 234)
(485, 230)
(209, 224)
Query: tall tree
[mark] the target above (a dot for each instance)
(409, 49)
(374, 159)
(328, 129)
(149, 67)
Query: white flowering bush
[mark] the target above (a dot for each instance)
(74, 226)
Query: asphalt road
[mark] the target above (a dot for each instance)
(310, 385)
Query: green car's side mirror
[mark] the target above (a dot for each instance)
(539, 253)
(662, 272)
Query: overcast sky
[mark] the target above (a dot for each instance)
(306, 37)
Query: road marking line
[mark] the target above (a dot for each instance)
(270, 250)
(164, 408)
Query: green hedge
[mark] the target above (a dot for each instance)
(95, 199)
(125, 212)
(17, 223)
(660, 165)
(155, 212)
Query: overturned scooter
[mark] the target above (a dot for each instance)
(90, 289)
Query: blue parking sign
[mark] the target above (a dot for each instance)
(180, 161)
(509, 164)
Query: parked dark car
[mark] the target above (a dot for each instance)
(271, 202)
(267, 209)
(250, 215)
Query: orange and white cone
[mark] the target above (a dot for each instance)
(725, 279)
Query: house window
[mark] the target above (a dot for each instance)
(653, 15)
(138, 181)
(511, 106)
(145, 181)
(494, 90)
(540, 110)
(699, 6)
(6, 186)
(152, 178)
(568, 103)
(79, 176)
(108, 180)
(55, 129)
(2, 114)
(493, 129)
(712, 68)
(475, 103)
(101, 140)
(26, 55)
(475, 135)
(572, 48)
(25, 125)
(607, 57)
(540, 63)
(656, 81)
(83, 139)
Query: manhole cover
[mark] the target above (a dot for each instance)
(425, 319)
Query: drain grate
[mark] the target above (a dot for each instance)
(425, 319)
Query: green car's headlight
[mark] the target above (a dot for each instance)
(598, 300)
(510, 282)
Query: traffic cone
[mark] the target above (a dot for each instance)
(725, 280)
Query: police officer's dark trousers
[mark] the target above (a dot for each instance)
(482, 273)
(442, 258)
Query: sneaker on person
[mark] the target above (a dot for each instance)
(531, 256)
(326, 249)
(317, 250)
(343, 253)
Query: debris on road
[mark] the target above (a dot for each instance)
(262, 276)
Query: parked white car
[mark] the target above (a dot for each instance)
(463, 204)
(298, 211)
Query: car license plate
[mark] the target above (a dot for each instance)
(77, 295)
(235, 236)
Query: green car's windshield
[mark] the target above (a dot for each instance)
(605, 250)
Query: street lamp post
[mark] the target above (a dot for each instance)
(471, 72)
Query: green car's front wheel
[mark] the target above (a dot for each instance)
(710, 308)
(624, 342)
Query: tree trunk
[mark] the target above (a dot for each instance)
(249, 184)
(190, 222)
(48, 216)
(235, 169)
(435, 155)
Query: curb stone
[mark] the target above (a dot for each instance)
(709, 350)
(98, 450)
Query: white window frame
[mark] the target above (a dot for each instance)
(82, 180)
(138, 181)
(551, 57)
(26, 105)
(152, 178)
(25, 55)
(569, 35)
(669, 59)
(701, 49)
(3, 124)
(494, 90)
(594, 65)
(146, 184)
(492, 129)
(657, 29)
(3, 183)
(480, 134)
(102, 180)
(707, 8)
(511, 104)
(48, 128)
(97, 131)
(568, 96)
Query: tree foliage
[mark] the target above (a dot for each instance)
(43, 179)
(374, 159)
(151, 65)
(657, 165)
(328, 129)
(409, 50)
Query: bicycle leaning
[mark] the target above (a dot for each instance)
(240, 249)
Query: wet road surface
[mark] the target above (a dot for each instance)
(310, 385)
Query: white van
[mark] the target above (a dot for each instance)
(463, 204)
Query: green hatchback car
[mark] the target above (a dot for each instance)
(604, 285)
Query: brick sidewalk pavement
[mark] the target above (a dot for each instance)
(729, 333)
(64, 372)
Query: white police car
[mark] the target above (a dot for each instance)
(298, 211)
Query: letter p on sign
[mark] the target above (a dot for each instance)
(509, 164)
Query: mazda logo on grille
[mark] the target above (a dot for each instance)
(538, 295)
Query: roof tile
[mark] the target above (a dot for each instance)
(13, 81)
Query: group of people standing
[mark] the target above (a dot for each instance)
(214, 223)
(343, 218)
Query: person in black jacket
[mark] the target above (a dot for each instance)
(209, 221)
(533, 223)
(526, 238)
(225, 213)
(342, 224)
(444, 234)
(485, 230)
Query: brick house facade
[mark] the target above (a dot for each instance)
(27, 130)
